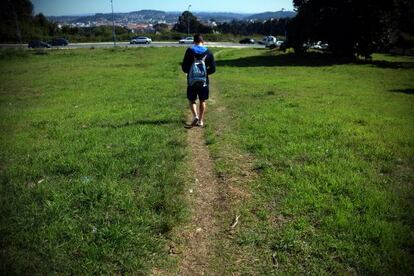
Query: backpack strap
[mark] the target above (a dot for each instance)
(202, 59)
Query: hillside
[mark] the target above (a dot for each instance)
(267, 15)
(155, 16)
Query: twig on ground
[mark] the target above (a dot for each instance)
(235, 221)
(274, 260)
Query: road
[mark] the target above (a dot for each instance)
(153, 44)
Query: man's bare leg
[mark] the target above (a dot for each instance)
(203, 107)
(193, 108)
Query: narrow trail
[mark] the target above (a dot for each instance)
(200, 231)
(210, 199)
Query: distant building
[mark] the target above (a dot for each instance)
(139, 27)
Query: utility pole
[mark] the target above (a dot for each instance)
(113, 23)
(188, 19)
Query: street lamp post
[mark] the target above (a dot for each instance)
(188, 19)
(113, 23)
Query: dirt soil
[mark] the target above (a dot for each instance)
(199, 233)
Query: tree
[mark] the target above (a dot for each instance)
(41, 20)
(269, 27)
(17, 22)
(195, 25)
(15, 19)
(402, 24)
(161, 27)
(350, 27)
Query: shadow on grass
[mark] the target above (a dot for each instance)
(312, 59)
(404, 91)
(142, 122)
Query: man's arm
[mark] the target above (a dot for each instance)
(187, 61)
(211, 68)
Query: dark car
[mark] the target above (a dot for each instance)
(38, 44)
(59, 42)
(247, 41)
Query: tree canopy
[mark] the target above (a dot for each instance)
(188, 22)
(15, 19)
(268, 27)
(350, 27)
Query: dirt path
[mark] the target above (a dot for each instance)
(199, 232)
(210, 198)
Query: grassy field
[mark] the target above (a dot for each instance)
(333, 147)
(93, 160)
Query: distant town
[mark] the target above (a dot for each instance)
(145, 20)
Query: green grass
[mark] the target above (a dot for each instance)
(333, 144)
(92, 156)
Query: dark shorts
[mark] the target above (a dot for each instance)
(194, 92)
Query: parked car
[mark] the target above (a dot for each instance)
(59, 42)
(270, 41)
(320, 46)
(38, 44)
(186, 40)
(247, 41)
(141, 40)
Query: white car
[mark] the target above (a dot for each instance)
(141, 40)
(271, 41)
(186, 40)
(320, 46)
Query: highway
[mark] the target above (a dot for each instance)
(127, 44)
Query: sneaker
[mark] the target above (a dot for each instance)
(194, 122)
(200, 124)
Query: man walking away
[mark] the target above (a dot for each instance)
(198, 63)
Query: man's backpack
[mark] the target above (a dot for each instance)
(197, 76)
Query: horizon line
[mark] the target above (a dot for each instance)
(196, 11)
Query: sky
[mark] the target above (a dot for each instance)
(77, 7)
